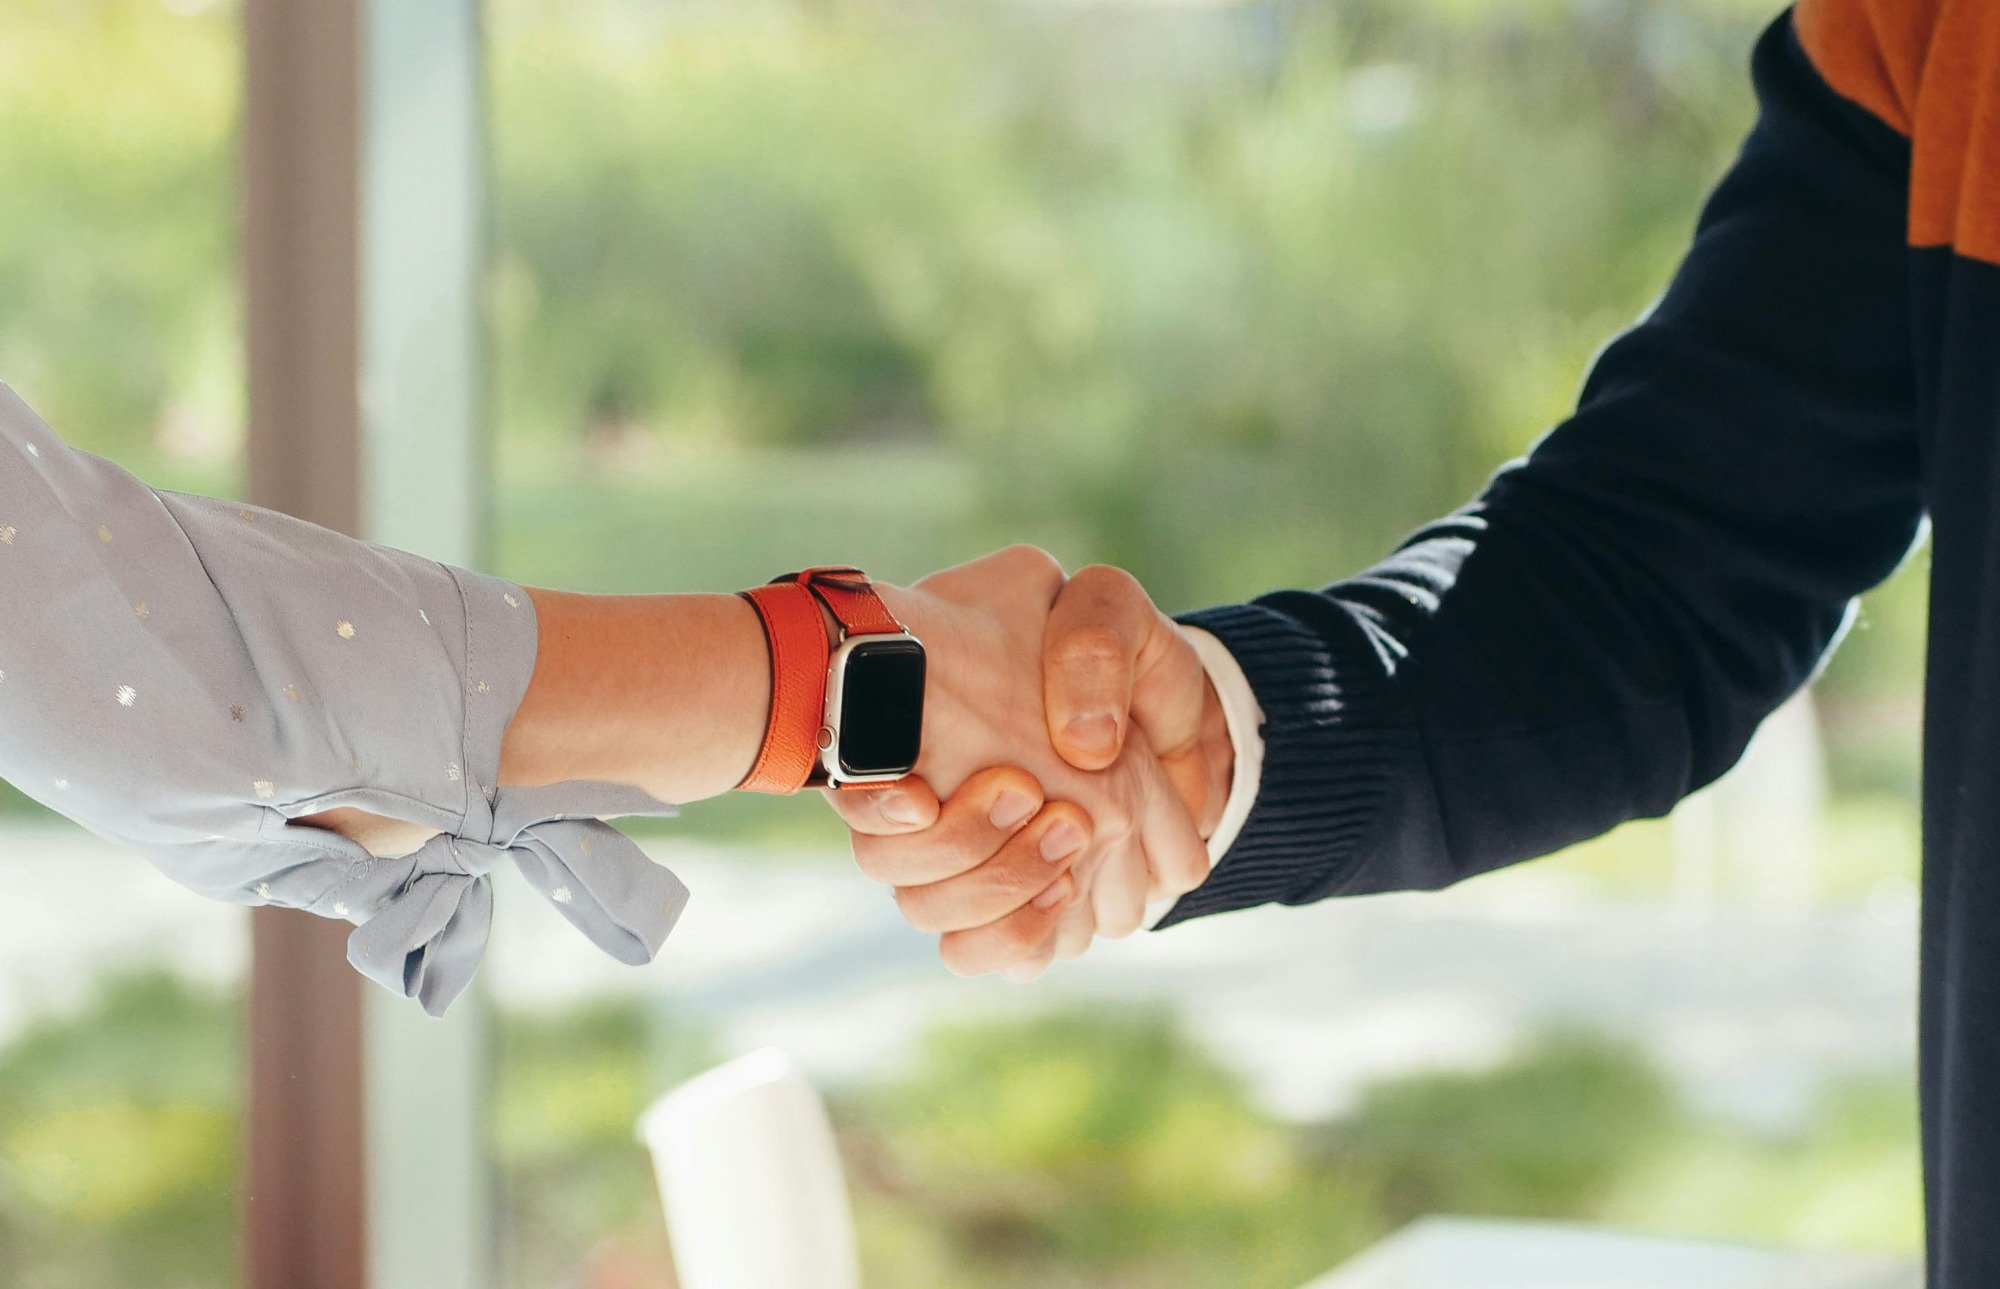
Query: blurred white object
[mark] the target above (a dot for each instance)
(1762, 819)
(751, 1181)
(1459, 1253)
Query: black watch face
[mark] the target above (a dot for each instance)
(882, 708)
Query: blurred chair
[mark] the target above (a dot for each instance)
(751, 1180)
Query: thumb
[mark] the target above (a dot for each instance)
(1098, 630)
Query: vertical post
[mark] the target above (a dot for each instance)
(303, 1201)
(362, 245)
(421, 254)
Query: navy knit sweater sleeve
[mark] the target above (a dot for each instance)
(1600, 632)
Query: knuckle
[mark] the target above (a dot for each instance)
(1120, 814)
(1005, 884)
(992, 783)
(875, 860)
(1028, 559)
(1091, 646)
(1105, 580)
(866, 826)
(919, 911)
(1023, 881)
(1068, 812)
(958, 958)
(1020, 936)
(904, 861)
(955, 855)
(1180, 878)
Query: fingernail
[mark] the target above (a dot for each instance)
(1061, 841)
(1058, 892)
(1011, 810)
(1096, 733)
(899, 807)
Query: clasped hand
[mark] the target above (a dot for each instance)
(1075, 758)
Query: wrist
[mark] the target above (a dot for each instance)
(666, 693)
(1231, 744)
(1217, 753)
(848, 681)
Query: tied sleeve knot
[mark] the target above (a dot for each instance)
(432, 911)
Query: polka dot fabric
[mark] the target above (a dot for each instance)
(190, 677)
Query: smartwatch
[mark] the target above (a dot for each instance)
(847, 685)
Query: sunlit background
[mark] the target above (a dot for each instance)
(1230, 293)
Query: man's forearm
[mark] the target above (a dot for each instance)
(1602, 631)
(668, 693)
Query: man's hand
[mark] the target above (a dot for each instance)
(1113, 662)
(1143, 749)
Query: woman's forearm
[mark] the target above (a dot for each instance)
(668, 693)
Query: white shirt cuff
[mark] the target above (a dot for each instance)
(1245, 720)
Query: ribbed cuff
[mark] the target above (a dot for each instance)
(1327, 757)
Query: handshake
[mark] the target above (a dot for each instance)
(1075, 760)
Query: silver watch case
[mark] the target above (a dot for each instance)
(838, 775)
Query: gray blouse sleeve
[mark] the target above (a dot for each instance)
(189, 676)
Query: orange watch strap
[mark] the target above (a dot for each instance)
(795, 630)
(789, 608)
(850, 596)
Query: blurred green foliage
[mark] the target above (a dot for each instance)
(119, 317)
(1231, 295)
(118, 1140)
(1100, 1149)
(1540, 1138)
(1095, 1148)
(1088, 1149)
